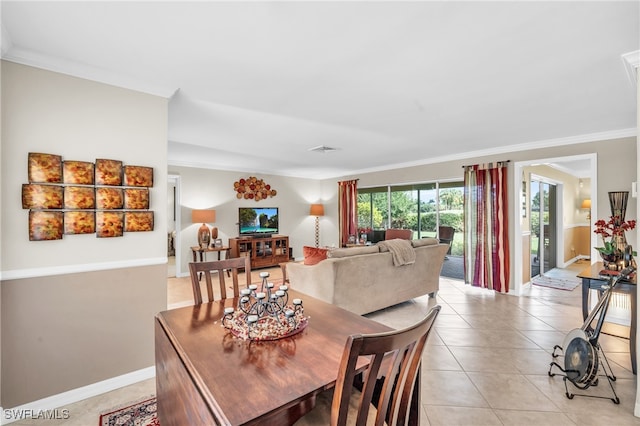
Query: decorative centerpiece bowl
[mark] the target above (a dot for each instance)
(265, 314)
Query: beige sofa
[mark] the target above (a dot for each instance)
(365, 279)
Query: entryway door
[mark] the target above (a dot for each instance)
(543, 227)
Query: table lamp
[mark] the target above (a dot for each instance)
(204, 234)
(317, 210)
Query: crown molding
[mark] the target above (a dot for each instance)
(75, 69)
(549, 143)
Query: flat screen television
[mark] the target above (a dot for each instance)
(258, 221)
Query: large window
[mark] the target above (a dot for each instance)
(373, 208)
(419, 207)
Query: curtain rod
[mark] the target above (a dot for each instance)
(491, 162)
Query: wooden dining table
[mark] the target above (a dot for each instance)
(207, 376)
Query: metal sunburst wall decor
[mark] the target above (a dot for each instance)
(253, 188)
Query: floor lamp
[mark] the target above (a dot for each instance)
(317, 210)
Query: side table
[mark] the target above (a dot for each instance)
(592, 280)
(195, 250)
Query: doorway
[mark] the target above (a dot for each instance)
(543, 223)
(577, 165)
(173, 226)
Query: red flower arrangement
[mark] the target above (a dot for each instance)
(613, 228)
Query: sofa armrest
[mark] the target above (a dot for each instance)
(315, 280)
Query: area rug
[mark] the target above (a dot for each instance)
(453, 267)
(138, 413)
(557, 283)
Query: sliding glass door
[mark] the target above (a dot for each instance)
(543, 227)
(422, 207)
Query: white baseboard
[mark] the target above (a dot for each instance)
(574, 260)
(10, 415)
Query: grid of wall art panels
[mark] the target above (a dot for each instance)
(66, 197)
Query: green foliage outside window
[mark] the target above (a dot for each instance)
(414, 207)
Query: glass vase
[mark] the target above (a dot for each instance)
(612, 260)
(618, 203)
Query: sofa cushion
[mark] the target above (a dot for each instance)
(313, 255)
(424, 242)
(343, 281)
(353, 251)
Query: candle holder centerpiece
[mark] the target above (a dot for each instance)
(265, 313)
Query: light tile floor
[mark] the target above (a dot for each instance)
(486, 362)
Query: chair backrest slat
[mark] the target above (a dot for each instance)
(390, 376)
(197, 269)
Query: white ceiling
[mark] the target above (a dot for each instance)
(255, 85)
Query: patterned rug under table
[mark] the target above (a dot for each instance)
(138, 413)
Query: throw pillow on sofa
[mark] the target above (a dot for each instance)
(313, 255)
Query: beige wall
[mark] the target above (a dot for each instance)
(572, 195)
(78, 310)
(526, 258)
(80, 120)
(577, 242)
(616, 170)
(215, 188)
(1, 215)
(575, 227)
(67, 331)
(83, 120)
(211, 189)
(636, 410)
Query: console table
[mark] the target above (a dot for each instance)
(202, 251)
(592, 280)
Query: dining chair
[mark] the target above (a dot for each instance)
(445, 235)
(233, 265)
(387, 385)
(404, 234)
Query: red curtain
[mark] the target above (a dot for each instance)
(347, 209)
(486, 253)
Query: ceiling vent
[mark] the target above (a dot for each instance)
(323, 149)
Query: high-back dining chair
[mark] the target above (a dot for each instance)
(404, 234)
(393, 368)
(233, 265)
(445, 235)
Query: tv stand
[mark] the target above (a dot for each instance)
(264, 251)
(259, 236)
